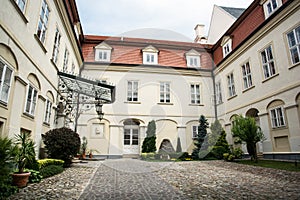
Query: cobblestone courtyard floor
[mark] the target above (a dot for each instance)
(135, 179)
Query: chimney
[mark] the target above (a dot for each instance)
(199, 31)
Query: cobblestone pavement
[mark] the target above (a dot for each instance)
(135, 179)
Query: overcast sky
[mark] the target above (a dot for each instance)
(175, 19)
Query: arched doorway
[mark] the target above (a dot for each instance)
(131, 137)
(253, 112)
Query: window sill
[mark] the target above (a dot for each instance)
(279, 128)
(3, 105)
(132, 102)
(165, 103)
(46, 124)
(195, 104)
(249, 88)
(19, 11)
(294, 65)
(232, 97)
(270, 77)
(27, 115)
(40, 43)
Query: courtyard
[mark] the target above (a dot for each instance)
(136, 179)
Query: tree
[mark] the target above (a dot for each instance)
(178, 147)
(149, 144)
(246, 129)
(199, 140)
(62, 143)
(218, 144)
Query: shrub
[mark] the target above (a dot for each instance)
(149, 143)
(62, 143)
(7, 153)
(228, 157)
(148, 156)
(35, 176)
(51, 170)
(184, 156)
(48, 161)
(218, 152)
(238, 153)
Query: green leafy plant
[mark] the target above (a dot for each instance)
(246, 129)
(25, 150)
(199, 140)
(62, 143)
(35, 176)
(51, 170)
(7, 153)
(238, 153)
(149, 144)
(49, 161)
(84, 145)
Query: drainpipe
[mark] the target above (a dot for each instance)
(214, 87)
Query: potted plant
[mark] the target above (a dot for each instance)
(25, 153)
(91, 152)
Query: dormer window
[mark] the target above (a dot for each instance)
(193, 58)
(270, 6)
(226, 46)
(150, 55)
(103, 52)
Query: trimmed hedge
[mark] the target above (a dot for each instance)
(51, 170)
(49, 161)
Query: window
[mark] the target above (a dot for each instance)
(193, 58)
(56, 46)
(66, 59)
(270, 6)
(268, 62)
(231, 87)
(194, 131)
(164, 92)
(73, 68)
(218, 93)
(195, 93)
(247, 79)
(42, 26)
(5, 81)
(131, 136)
(277, 117)
(31, 100)
(226, 45)
(103, 52)
(21, 4)
(48, 111)
(294, 44)
(132, 91)
(150, 55)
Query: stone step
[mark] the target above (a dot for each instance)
(135, 156)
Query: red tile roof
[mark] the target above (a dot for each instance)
(128, 50)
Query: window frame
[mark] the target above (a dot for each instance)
(56, 46)
(295, 46)
(246, 75)
(33, 98)
(105, 55)
(132, 92)
(48, 108)
(3, 77)
(231, 85)
(195, 129)
(165, 92)
(275, 117)
(66, 60)
(227, 47)
(266, 7)
(24, 6)
(268, 62)
(195, 95)
(43, 21)
(219, 98)
(150, 58)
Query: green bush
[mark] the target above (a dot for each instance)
(218, 152)
(48, 161)
(228, 157)
(62, 143)
(7, 153)
(35, 176)
(51, 170)
(184, 156)
(148, 156)
(238, 153)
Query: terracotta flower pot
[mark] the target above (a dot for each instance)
(20, 180)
